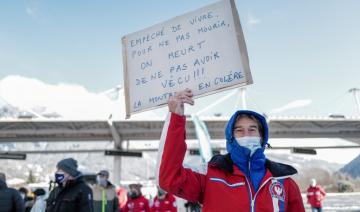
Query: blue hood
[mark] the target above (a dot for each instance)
(230, 128)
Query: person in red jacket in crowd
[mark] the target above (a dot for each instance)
(242, 180)
(136, 201)
(315, 196)
(122, 197)
(164, 202)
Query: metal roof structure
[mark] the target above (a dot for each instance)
(61, 130)
(117, 131)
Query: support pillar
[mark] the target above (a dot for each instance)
(117, 159)
(243, 98)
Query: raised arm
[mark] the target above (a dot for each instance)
(172, 176)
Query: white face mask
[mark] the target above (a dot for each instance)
(101, 181)
(252, 143)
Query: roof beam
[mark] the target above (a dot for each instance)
(48, 131)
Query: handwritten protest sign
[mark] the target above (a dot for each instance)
(202, 50)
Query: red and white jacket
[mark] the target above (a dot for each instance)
(315, 196)
(139, 204)
(168, 204)
(222, 187)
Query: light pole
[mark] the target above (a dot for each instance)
(355, 92)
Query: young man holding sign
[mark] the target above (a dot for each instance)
(243, 180)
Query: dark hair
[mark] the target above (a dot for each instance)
(135, 185)
(2, 176)
(23, 190)
(39, 192)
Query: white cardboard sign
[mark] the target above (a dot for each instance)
(203, 50)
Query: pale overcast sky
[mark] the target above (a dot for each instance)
(304, 55)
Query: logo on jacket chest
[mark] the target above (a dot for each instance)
(277, 190)
(157, 204)
(131, 205)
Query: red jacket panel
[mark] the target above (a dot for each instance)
(122, 197)
(216, 189)
(140, 204)
(315, 196)
(168, 204)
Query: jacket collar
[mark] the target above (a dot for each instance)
(266, 177)
(225, 163)
(72, 183)
(108, 186)
(279, 169)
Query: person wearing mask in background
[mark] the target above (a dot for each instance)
(28, 200)
(315, 196)
(136, 201)
(10, 199)
(40, 203)
(71, 194)
(105, 199)
(242, 180)
(164, 202)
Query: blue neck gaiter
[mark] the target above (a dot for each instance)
(252, 166)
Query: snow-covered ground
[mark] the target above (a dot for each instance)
(339, 202)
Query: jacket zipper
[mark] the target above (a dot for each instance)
(250, 191)
(252, 203)
(252, 200)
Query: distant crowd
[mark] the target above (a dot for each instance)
(71, 192)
